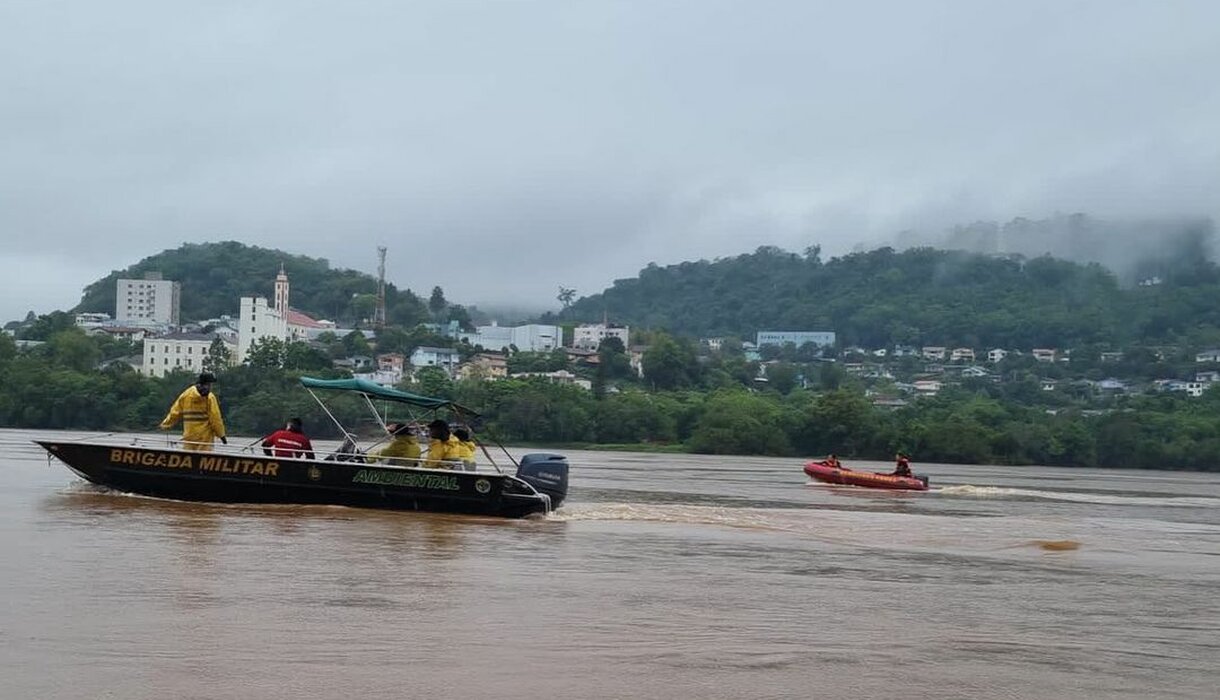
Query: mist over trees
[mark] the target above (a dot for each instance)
(924, 296)
(1135, 250)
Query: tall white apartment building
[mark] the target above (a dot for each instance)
(151, 300)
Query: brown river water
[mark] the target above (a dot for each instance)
(663, 576)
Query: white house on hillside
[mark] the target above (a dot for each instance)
(591, 335)
(933, 352)
(1043, 354)
(131, 333)
(559, 376)
(961, 355)
(92, 320)
(485, 365)
(178, 351)
(445, 358)
(533, 337)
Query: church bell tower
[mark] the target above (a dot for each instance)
(281, 293)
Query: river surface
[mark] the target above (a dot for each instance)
(664, 576)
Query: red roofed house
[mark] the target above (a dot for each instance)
(302, 327)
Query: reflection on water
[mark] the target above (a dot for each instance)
(665, 576)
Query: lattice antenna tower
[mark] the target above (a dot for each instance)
(379, 312)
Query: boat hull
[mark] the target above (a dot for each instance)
(234, 478)
(873, 480)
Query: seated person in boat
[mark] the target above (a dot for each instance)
(903, 467)
(832, 462)
(443, 448)
(402, 449)
(289, 442)
(466, 447)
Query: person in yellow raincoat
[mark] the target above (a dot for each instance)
(402, 449)
(466, 448)
(443, 448)
(199, 412)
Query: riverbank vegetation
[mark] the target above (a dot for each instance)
(56, 386)
(1125, 382)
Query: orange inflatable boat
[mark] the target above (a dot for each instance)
(873, 480)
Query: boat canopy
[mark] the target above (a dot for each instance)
(374, 390)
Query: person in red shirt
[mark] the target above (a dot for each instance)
(289, 442)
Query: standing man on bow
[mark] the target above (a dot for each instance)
(199, 411)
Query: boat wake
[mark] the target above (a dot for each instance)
(999, 492)
(668, 513)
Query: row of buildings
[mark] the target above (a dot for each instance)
(147, 310)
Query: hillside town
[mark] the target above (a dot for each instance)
(147, 315)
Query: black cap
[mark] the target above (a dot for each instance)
(207, 378)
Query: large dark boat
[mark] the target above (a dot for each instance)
(239, 475)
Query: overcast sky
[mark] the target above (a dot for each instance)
(502, 149)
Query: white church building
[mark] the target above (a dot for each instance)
(258, 319)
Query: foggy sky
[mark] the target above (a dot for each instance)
(502, 149)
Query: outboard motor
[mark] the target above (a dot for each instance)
(548, 473)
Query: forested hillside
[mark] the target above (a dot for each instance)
(214, 276)
(919, 296)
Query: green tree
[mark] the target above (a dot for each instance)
(566, 296)
(300, 357)
(8, 349)
(219, 357)
(459, 313)
(613, 361)
(47, 325)
(437, 304)
(782, 376)
(266, 353)
(354, 343)
(840, 421)
(73, 349)
(635, 416)
(434, 382)
(740, 423)
(363, 306)
(670, 363)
